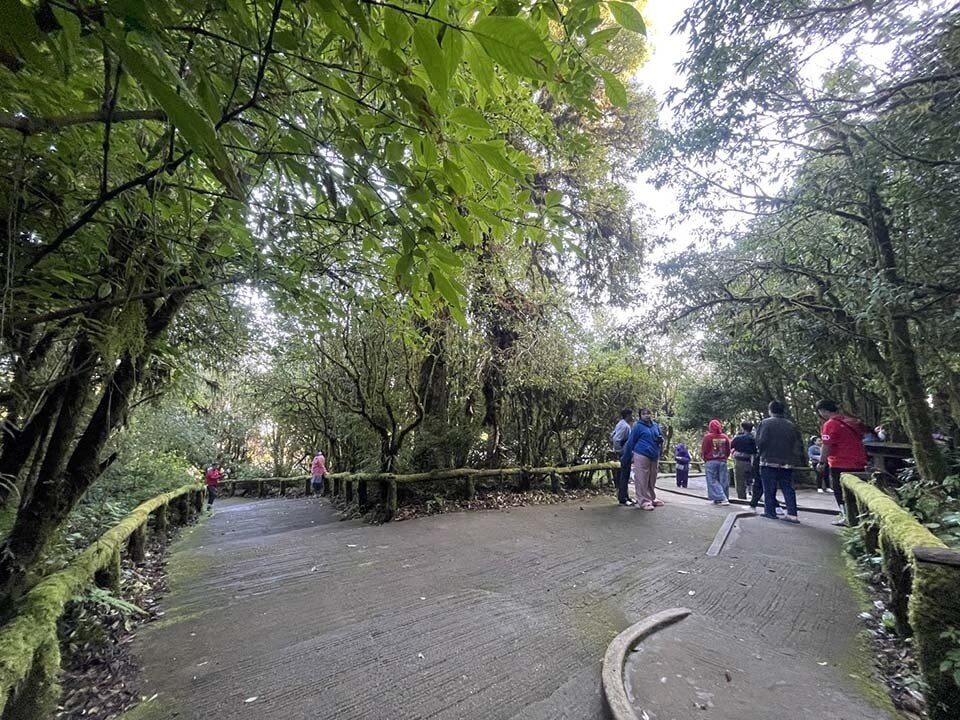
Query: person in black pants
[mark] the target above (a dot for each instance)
(619, 437)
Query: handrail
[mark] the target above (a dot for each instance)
(29, 647)
(923, 575)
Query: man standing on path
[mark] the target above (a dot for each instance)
(715, 449)
(644, 446)
(619, 438)
(780, 446)
(744, 450)
(842, 447)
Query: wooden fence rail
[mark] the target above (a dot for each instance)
(29, 646)
(923, 575)
(355, 486)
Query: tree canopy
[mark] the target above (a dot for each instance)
(159, 157)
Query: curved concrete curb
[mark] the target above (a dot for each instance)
(724, 532)
(615, 659)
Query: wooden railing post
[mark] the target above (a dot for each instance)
(161, 521)
(348, 491)
(470, 487)
(362, 495)
(554, 482)
(391, 499)
(137, 544)
(261, 488)
(308, 487)
(283, 488)
(181, 511)
(935, 607)
(108, 577)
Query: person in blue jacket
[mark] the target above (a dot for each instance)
(644, 445)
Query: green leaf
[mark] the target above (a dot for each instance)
(431, 57)
(616, 92)
(396, 27)
(455, 177)
(494, 156)
(452, 51)
(553, 198)
(513, 43)
(447, 256)
(628, 16)
(68, 277)
(482, 68)
(469, 117)
(445, 287)
(393, 62)
(485, 214)
(463, 228)
(600, 39)
(195, 127)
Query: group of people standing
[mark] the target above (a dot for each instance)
(763, 461)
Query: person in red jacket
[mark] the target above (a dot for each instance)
(715, 449)
(212, 479)
(842, 448)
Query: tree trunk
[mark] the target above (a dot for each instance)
(906, 378)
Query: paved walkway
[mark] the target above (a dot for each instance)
(279, 611)
(807, 498)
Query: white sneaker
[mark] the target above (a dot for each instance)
(724, 502)
(820, 490)
(781, 511)
(841, 520)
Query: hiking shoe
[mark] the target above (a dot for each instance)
(791, 519)
(770, 517)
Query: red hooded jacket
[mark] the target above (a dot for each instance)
(716, 444)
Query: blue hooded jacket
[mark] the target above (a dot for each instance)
(645, 439)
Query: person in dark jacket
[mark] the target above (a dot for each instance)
(644, 445)
(744, 447)
(619, 437)
(682, 457)
(780, 447)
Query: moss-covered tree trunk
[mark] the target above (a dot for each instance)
(907, 381)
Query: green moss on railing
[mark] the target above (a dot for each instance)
(29, 650)
(925, 594)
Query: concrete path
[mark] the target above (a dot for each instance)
(807, 498)
(279, 611)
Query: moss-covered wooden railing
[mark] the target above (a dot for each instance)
(924, 578)
(29, 647)
(354, 486)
